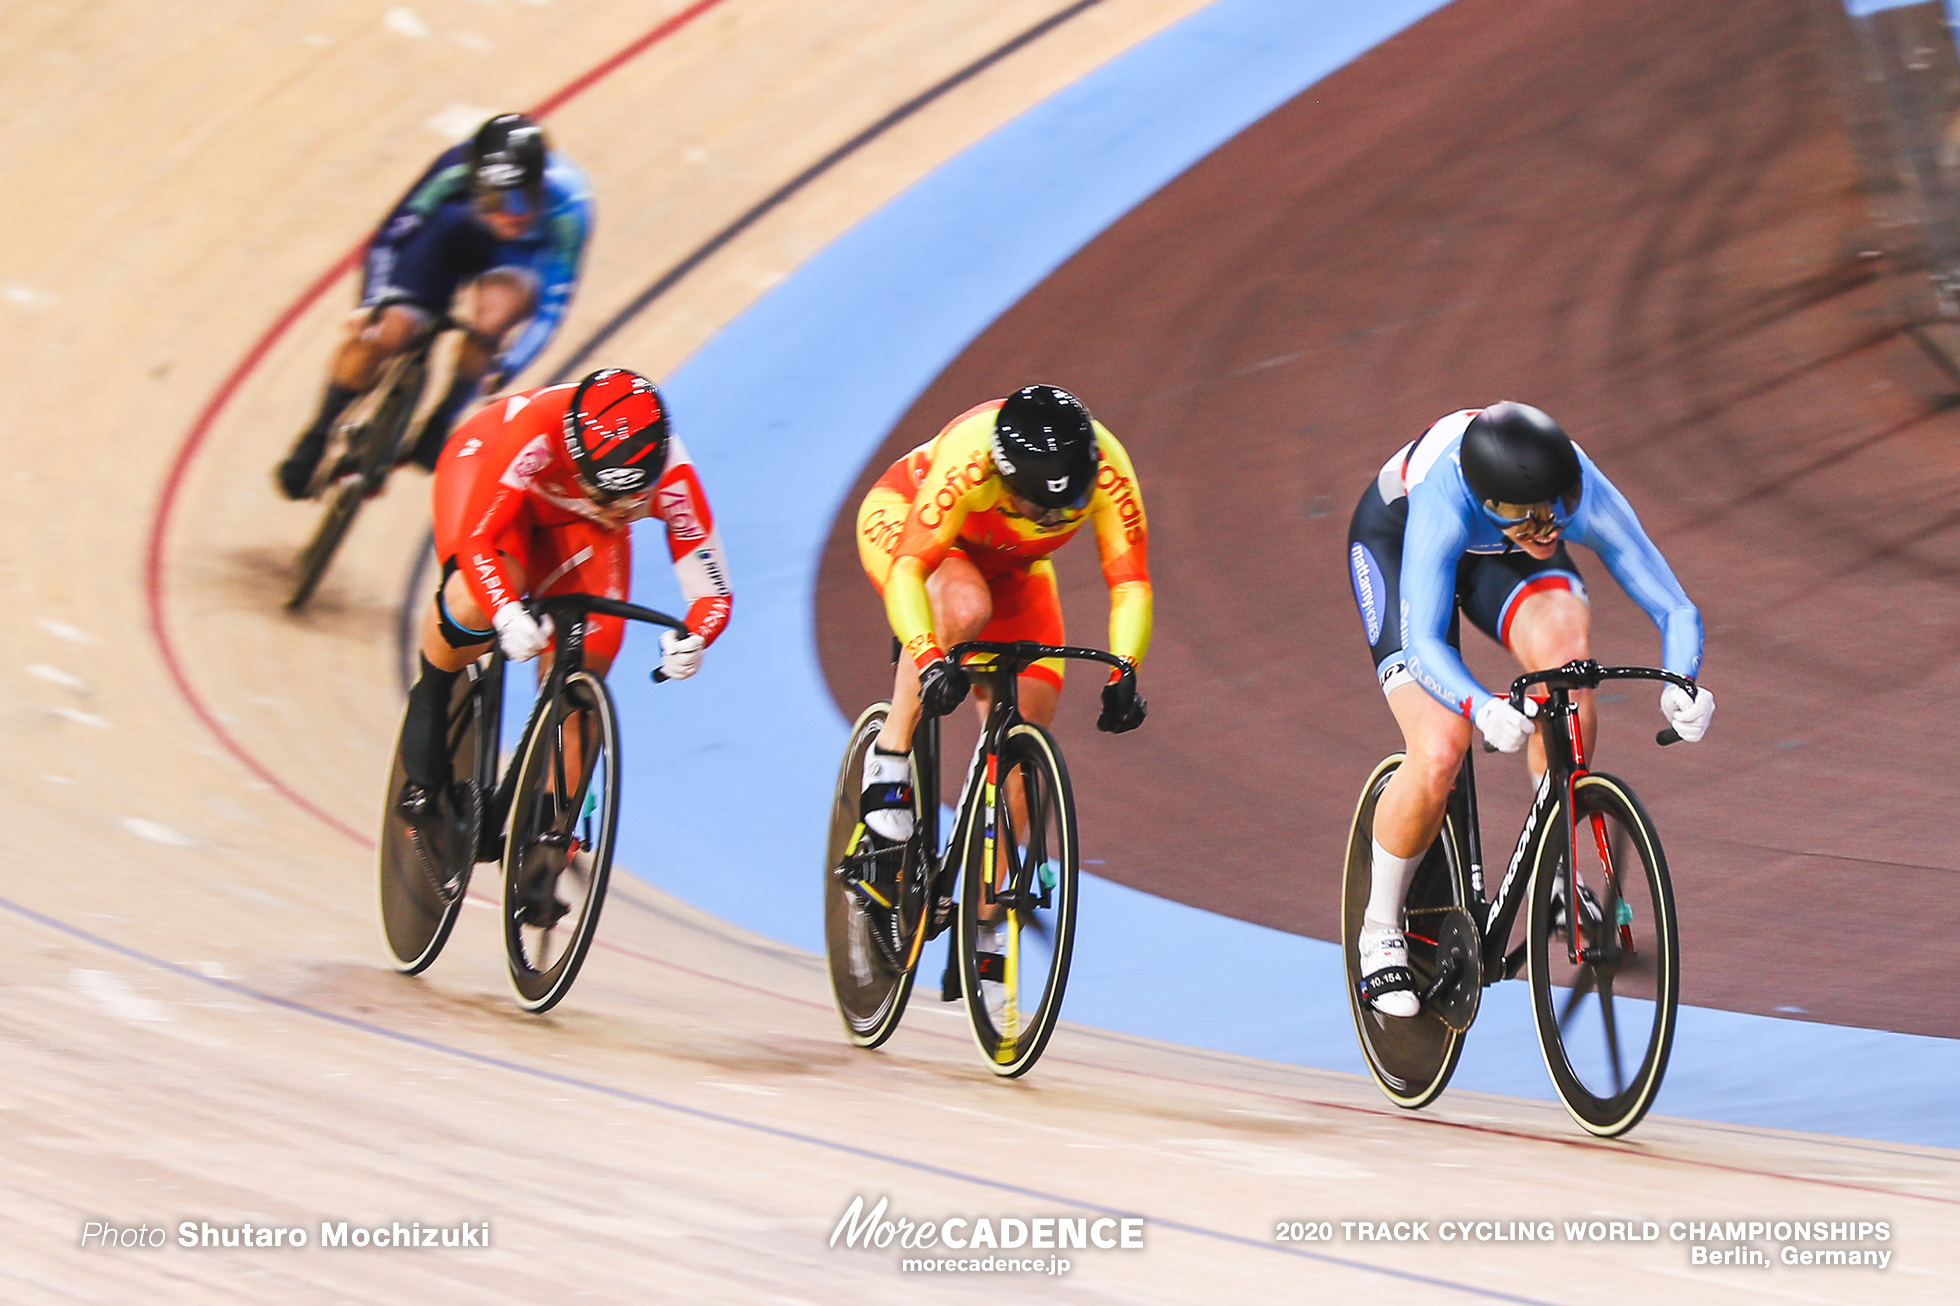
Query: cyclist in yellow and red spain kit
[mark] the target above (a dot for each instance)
(956, 537)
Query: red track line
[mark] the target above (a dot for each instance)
(159, 629)
(584, 81)
(193, 441)
(153, 587)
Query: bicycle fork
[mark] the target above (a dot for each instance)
(1564, 713)
(998, 890)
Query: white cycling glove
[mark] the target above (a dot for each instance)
(522, 636)
(1505, 728)
(680, 655)
(1688, 715)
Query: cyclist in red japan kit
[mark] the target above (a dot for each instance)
(536, 495)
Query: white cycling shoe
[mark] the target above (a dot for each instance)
(1387, 983)
(886, 804)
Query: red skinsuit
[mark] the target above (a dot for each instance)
(504, 491)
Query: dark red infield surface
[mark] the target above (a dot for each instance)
(1646, 218)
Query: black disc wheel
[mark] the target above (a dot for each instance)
(1604, 978)
(558, 850)
(359, 456)
(1017, 903)
(1413, 1057)
(873, 904)
(425, 869)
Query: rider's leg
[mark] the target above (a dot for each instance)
(1550, 628)
(1407, 818)
(455, 632)
(371, 340)
(1027, 605)
(1410, 811)
(961, 606)
(584, 558)
(501, 299)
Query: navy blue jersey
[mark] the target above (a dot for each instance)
(431, 241)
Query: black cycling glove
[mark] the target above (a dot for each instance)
(942, 687)
(1123, 709)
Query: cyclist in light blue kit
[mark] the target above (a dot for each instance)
(501, 212)
(1475, 515)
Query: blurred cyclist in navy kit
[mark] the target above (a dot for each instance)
(501, 212)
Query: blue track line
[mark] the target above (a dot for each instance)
(782, 408)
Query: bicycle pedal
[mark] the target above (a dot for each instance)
(942, 919)
(543, 915)
(990, 966)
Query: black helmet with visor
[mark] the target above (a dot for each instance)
(1044, 445)
(1520, 465)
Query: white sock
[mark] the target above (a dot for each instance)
(1387, 887)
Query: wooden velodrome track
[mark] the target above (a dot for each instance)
(198, 1024)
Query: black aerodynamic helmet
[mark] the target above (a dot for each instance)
(1514, 454)
(507, 154)
(1045, 447)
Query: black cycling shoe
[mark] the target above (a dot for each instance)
(538, 903)
(295, 475)
(419, 806)
(543, 910)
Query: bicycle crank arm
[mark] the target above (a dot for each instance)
(1444, 979)
(866, 894)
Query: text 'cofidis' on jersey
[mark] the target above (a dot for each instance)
(1122, 496)
(957, 481)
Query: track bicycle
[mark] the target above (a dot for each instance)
(1012, 852)
(550, 820)
(1605, 978)
(364, 444)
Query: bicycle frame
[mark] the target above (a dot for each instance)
(419, 356)
(1565, 767)
(569, 657)
(1495, 915)
(979, 794)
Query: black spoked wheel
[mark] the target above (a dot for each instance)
(1412, 1058)
(558, 851)
(1606, 1020)
(369, 445)
(425, 872)
(873, 901)
(1017, 905)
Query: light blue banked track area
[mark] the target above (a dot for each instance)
(730, 780)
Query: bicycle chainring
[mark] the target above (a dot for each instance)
(1459, 944)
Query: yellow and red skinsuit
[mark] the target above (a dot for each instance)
(504, 488)
(946, 497)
